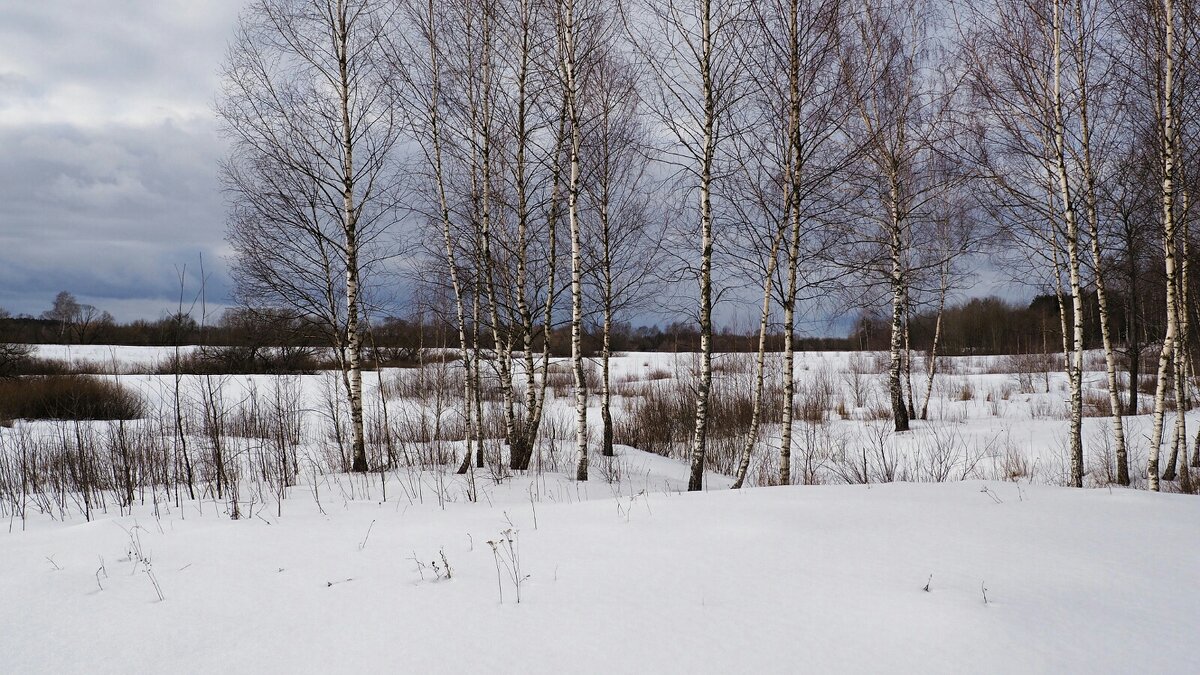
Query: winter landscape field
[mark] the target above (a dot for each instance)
(951, 547)
(600, 336)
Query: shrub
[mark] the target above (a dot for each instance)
(244, 360)
(662, 417)
(14, 358)
(1096, 404)
(68, 397)
(18, 359)
(560, 378)
(733, 363)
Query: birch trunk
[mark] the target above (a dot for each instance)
(501, 336)
(350, 231)
(931, 368)
(704, 386)
(520, 444)
(535, 417)
(899, 409)
(1075, 367)
(789, 331)
(1185, 325)
(795, 165)
(606, 443)
(1182, 366)
(569, 66)
(1168, 215)
(1093, 217)
(460, 313)
(912, 412)
(759, 369)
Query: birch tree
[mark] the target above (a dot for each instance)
(310, 174)
(1033, 72)
(622, 245)
(1092, 73)
(790, 153)
(1168, 139)
(569, 64)
(420, 83)
(692, 50)
(904, 122)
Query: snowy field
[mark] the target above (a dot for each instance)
(970, 559)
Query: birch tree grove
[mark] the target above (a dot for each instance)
(311, 177)
(558, 160)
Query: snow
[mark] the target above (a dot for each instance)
(818, 578)
(108, 356)
(631, 575)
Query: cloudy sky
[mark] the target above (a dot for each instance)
(109, 151)
(109, 154)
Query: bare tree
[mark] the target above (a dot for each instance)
(421, 83)
(77, 322)
(904, 115)
(569, 68)
(790, 153)
(13, 358)
(310, 175)
(620, 244)
(1166, 107)
(1033, 74)
(692, 49)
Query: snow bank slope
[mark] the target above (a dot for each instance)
(817, 579)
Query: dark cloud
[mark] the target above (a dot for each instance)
(109, 152)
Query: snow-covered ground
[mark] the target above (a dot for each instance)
(123, 358)
(997, 569)
(796, 579)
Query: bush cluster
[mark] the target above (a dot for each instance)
(68, 397)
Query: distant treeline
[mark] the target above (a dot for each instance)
(988, 325)
(993, 325)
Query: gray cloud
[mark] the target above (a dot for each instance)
(109, 152)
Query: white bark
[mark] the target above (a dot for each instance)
(759, 368)
(460, 315)
(569, 72)
(931, 363)
(707, 160)
(1075, 361)
(1168, 141)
